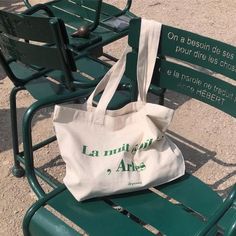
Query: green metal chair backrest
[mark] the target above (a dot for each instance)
(89, 11)
(36, 42)
(197, 66)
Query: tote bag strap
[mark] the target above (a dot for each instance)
(147, 55)
(148, 48)
(110, 82)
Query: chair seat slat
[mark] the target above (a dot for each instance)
(159, 212)
(186, 189)
(96, 217)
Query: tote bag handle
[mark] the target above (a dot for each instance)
(148, 48)
(110, 81)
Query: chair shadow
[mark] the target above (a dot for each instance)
(57, 161)
(5, 125)
(197, 156)
(11, 5)
(172, 100)
(2, 74)
(5, 129)
(221, 181)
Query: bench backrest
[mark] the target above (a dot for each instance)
(197, 66)
(37, 42)
(87, 11)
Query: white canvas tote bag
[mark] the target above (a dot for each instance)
(108, 152)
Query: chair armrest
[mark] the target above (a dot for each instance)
(27, 4)
(229, 202)
(98, 12)
(37, 8)
(127, 7)
(37, 205)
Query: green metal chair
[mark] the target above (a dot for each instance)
(105, 22)
(35, 56)
(184, 207)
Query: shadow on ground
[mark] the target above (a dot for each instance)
(11, 5)
(2, 75)
(5, 125)
(172, 99)
(197, 156)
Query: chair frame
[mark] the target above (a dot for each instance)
(68, 67)
(97, 22)
(132, 205)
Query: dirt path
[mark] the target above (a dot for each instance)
(212, 153)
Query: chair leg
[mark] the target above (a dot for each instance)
(28, 150)
(27, 135)
(162, 98)
(17, 169)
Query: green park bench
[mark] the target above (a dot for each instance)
(184, 207)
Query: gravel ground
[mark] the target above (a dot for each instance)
(209, 135)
